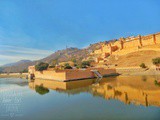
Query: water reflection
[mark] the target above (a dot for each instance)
(41, 90)
(137, 90)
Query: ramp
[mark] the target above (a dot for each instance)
(96, 72)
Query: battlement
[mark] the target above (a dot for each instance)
(129, 43)
(139, 41)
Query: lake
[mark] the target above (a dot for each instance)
(111, 98)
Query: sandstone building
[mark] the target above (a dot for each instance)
(124, 46)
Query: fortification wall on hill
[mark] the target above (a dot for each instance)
(139, 41)
(129, 43)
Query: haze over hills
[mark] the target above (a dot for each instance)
(16, 63)
(60, 56)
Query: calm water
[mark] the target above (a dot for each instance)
(114, 98)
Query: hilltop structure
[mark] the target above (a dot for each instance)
(124, 46)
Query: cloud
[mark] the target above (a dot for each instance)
(9, 54)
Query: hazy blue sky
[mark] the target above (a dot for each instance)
(29, 25)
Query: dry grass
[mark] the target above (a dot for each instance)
(135, 58)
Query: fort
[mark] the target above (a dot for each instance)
(114, 48)
(69, 74)
(124, 46)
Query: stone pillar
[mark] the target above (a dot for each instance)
(121, 43)
(154, 38)
(140, 40)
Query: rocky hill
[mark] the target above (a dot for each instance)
(121, 58)
(59, 56)
(17, 63)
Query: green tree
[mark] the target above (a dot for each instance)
(85, 64)
(67, 66)
(41, 66)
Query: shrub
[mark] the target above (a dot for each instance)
(75, 65)
(85, 64)
(41, 66)
(142, 65)
(67, 66)
(74, 60)
(156, 61)
(54, 62)
(25, 71)
(52, 66)
(157, 83)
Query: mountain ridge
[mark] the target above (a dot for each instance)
(60, 55)
(15, 63)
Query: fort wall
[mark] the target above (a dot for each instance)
(52, 75)
(140, 41)
(130, 44)
(71, 74)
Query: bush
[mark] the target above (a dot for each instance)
(67, 66)
(142, 65)
(41, 66)
(157, 83)
(74, 60)
(51, 66)
(25, 71)
(85, 64)
(156, 61)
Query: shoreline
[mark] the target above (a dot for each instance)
(13, 75)
(120, 72)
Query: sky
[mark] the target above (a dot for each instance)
(33, 29)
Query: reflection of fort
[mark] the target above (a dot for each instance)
(72, 87)
(136, 90)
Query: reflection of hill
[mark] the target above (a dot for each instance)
(132, 89)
